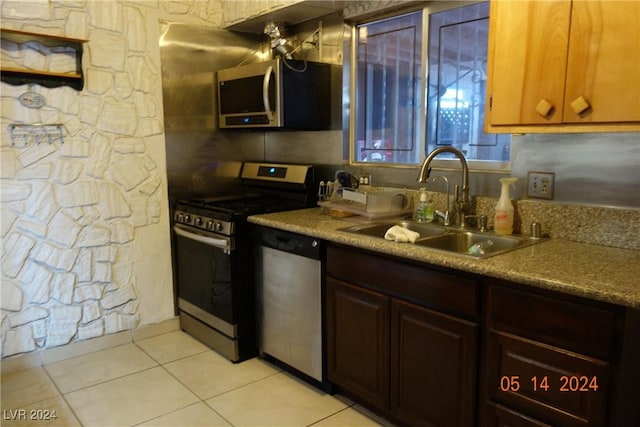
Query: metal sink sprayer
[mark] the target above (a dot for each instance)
(461, 197)
(446, 217)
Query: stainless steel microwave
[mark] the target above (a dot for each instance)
(287, 94)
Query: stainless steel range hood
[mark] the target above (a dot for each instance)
(202, 160)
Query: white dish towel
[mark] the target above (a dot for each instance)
(401, 235)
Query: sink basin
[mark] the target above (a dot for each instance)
(446, 239)
(460, 242)
(378, 229)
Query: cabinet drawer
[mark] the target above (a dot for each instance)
(499, 416)
(414, 283)
(550, 384)
(576, 327)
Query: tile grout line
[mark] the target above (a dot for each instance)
(171, 361)
(104, 381)
(219, 414)
(200, 400)
(203, 400)
(116, 379)
(162, 365)
(156, 363)
(279, 371)
(346, 408)
(62, 395)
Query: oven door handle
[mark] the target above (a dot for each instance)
(207, 240)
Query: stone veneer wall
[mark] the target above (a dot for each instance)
(84, 223)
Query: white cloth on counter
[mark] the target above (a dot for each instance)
(401, 235)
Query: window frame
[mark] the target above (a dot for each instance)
(350, 87)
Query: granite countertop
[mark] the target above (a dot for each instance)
(592, 271)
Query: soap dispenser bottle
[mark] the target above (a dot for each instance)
(503, 220)
(424, 211)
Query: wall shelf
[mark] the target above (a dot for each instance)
(26, 134)
(20, 76)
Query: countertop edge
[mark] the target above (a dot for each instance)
(572, 268)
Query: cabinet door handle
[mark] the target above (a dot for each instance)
(544, 108)
(580, 105)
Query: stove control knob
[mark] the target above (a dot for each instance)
(198, 221)
(210, 225)
(218, 226)
(187, 219)
(180, 218)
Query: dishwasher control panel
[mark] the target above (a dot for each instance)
(286, 241)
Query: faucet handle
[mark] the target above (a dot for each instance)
(481, 221)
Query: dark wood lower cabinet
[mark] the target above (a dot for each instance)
(557, 386)
(433, 367)
(554, 360)
(414, 364)
(358, 341)
(499, 416)
(427, 346)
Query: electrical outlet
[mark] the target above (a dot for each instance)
(540, 185)
(364, 179)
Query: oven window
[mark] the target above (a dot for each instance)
(204, 277)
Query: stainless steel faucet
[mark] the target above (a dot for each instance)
(462, 197)
(446, 219)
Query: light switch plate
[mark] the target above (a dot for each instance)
(540, 185)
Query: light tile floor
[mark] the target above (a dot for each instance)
(169, 380)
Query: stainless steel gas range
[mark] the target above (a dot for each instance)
(214, 254)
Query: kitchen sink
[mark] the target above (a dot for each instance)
(448, 239)
(378, 229)
(460, 242)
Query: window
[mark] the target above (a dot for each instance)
(399, 116)
(389, 90)
(457, 85)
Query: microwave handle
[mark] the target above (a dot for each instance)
(265, 92)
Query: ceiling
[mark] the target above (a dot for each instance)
(291, 15)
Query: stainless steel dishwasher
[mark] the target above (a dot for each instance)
(289, 300)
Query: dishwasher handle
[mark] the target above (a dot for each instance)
(285, 241)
